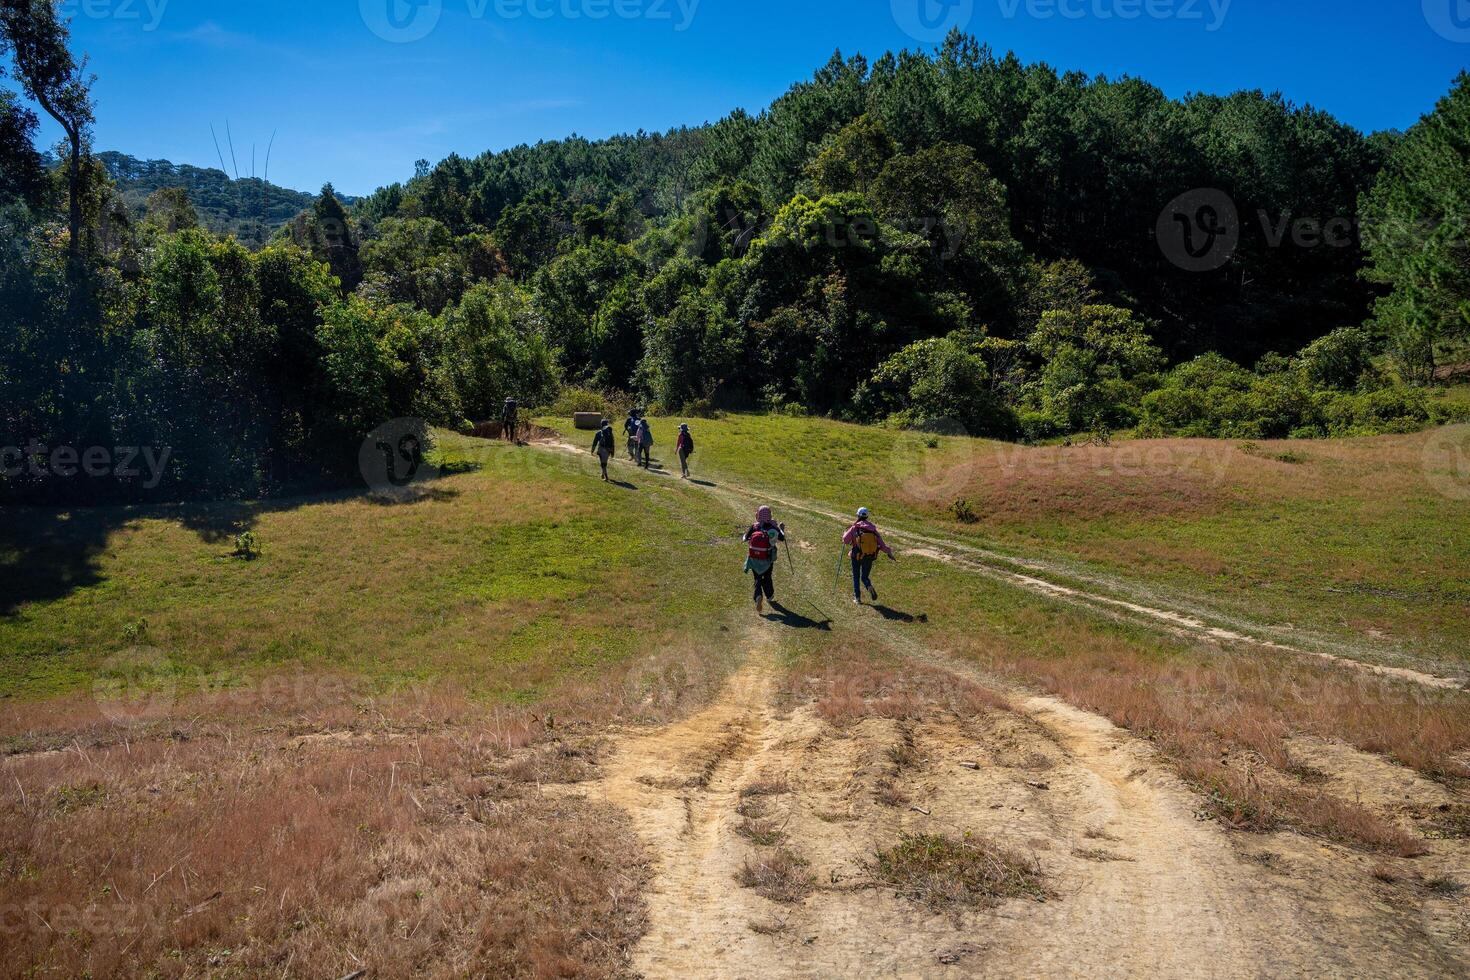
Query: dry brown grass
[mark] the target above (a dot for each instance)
(324, 833)
(780, 876)
(244, 851)
(944, 873)
(847, 689)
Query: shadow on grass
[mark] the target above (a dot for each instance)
(795, 620)
(47, 553)
(894, 616)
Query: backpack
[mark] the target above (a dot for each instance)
(686, 444)
(866, 545)
(760, 545)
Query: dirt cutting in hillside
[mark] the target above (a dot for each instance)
(765, 819)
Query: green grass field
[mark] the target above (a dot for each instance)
(1347, 540)
(506, 579)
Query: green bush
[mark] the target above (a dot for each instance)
(1339, 359)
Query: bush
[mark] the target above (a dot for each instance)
(1388, 410)
(1339, 359)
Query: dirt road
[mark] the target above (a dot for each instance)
(1141, 885)
(1140, 882)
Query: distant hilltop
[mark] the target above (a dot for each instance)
(249, 208)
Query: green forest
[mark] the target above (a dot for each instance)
(949, 237)
(249, 208)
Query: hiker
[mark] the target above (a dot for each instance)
(865, 544)
(761, 563)
(631, 427)
(685, 449)
(645, 444)
(509, 417)
(604, 446)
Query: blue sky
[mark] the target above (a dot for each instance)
(357, 109)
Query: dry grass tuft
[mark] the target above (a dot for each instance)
(852, 688)
(944, 873)
(1100, 854)
(760, 831)
(780, 877)
(767, 786)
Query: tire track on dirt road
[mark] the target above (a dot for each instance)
(1142, 886)
(1028, 575)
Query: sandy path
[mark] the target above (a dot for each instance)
(1143, 886)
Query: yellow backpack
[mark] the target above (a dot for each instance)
(866, 545)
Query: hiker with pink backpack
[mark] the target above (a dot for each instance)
(761, 563)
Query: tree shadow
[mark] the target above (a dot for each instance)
(47, 554)
(413, 497)
(894, 616)
(795, 620)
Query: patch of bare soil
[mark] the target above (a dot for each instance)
(790, 841)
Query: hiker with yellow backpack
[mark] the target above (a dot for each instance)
(865, 544)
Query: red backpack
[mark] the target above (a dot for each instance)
(760, 545)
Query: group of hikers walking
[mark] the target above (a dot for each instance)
(862, 541)
(640, 444)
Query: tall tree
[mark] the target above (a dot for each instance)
(1417, 236)
(37, 40)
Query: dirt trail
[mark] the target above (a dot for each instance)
(1028, 574)
(1142, 885)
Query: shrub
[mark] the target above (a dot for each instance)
(1339, 359)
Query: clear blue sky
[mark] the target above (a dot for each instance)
(358, 110)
